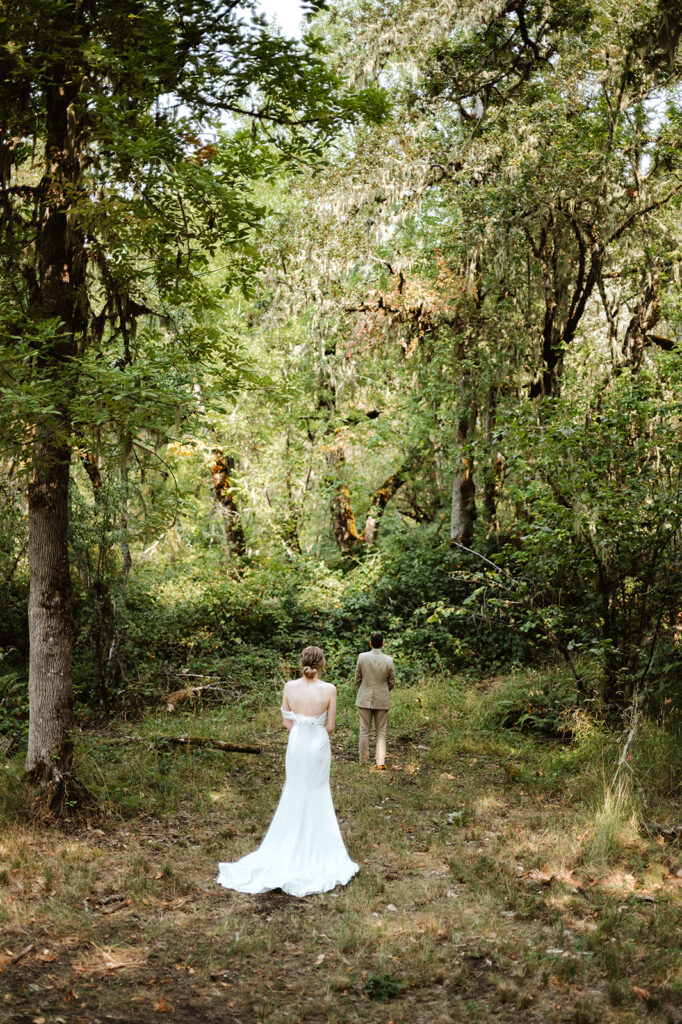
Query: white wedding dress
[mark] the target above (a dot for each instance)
(303, 850)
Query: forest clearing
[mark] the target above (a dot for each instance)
(492, 882)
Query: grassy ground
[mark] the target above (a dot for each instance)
(496, 880)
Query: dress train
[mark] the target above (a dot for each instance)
(303, 850)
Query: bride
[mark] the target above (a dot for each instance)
(303, 850)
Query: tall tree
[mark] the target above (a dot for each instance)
(112, 200)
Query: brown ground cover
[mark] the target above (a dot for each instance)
(483, 896)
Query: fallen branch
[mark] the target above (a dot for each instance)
(199, 741)
(187, 741)
(17, 956)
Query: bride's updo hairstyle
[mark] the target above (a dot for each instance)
(312, 661)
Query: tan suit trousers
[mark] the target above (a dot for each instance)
(380, 716)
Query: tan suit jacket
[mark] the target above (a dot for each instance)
(375, 675)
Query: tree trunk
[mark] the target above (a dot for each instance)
(126, 452)
(60, 296)
(463, 505)
(222, 468)
(50, 743)
(494, 467)
(645, 316)
(348, 537)
(381, 499)
(565, 296)
(612, 666)
(343, 518)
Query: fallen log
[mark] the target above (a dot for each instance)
(188, 741)
(200, 741)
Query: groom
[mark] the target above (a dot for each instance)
(375, 677)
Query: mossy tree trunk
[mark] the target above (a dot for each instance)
(463, 504)
(222, 469)
(58, 295)
(349, 539)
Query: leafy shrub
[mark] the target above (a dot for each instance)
(13, 705)
(14, 618)
(594, 558)
(539, 702)
(383, 986)
(172, 618)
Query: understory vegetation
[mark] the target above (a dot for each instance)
(396, 347)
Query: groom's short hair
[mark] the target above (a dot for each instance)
(376, 640)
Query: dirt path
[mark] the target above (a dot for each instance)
(471, 904)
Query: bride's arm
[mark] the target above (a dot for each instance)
(331, 711)
(286, 722)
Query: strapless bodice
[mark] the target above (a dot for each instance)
(292, 716)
